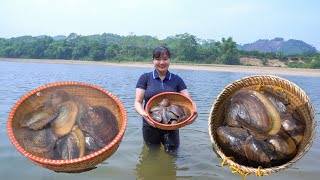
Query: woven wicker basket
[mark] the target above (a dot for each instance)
(90, 93)
(298, 100)
(174, 98)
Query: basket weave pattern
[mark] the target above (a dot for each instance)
(93, 95)
(174, 98)
(298, 100)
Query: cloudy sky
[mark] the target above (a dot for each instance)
(244, 20)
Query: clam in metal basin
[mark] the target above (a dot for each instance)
(50, 95)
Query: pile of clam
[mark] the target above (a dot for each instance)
(167, 113)
(260, 129)
(65, 127)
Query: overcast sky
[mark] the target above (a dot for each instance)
(244, 21)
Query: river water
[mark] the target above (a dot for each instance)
(132, 160)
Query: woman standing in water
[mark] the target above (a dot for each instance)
(152, 83)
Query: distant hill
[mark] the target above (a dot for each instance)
(279, 45)
(60, 37)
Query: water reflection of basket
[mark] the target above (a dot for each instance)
(174, 98)
(298, 100)
(90, 93)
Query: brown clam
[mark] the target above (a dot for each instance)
(164, 103)
(72, 145)
(64, 123)
(101, 124)
(40, 117)
(231, 112)
(168, 113)
(39, 141)
(180, 111)
(175, 109)
(57, 97)
(283, 146)
(256, 113)
(277, 93)
(231, 141)
(257, 152)
(156, 116)
(280, 104)
(294, 126)
(91, 144)
(155, 108)
(165, 116)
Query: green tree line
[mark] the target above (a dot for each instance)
(111, 47)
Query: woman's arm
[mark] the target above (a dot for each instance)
(138, 102)
(138, 105)
(186, 93)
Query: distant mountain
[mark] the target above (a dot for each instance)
(60, 37)
(279, 45)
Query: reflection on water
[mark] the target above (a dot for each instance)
(155, 163)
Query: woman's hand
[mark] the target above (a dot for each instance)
(148, 119)
(193, 118)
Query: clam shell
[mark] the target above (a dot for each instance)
(57, 97)
(64, 123)
(256, 113)
(231, 114)
(155, 108)
(278, 103)
(279, 95)
(283, 145)
(72, 145)
(165, 116)
(39, 141)
(40, 117)
(156, 116)
(257, 152)
(294, 126)
(91, 144)
(176, 109)
(101, 124)
(164, 103)
(232, 140)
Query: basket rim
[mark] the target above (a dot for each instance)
(169, 126)
(52, 162)
(274, 168)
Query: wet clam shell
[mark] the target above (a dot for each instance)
(40, 117)
(72, 145)
(90, 142)
(257, 152)
(278, 103)
(232, 140)
(155, 108)
(283, 145)
(231, 114)
(39, 141)
(101, 124)
(57, 97)
(176, 109)
(165, 116)
(156, 116)
(256, 113)
(164, 103)
(64, 123)
(294, 126)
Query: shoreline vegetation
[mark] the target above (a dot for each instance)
(186, 66)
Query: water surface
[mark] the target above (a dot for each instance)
(195, 159)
